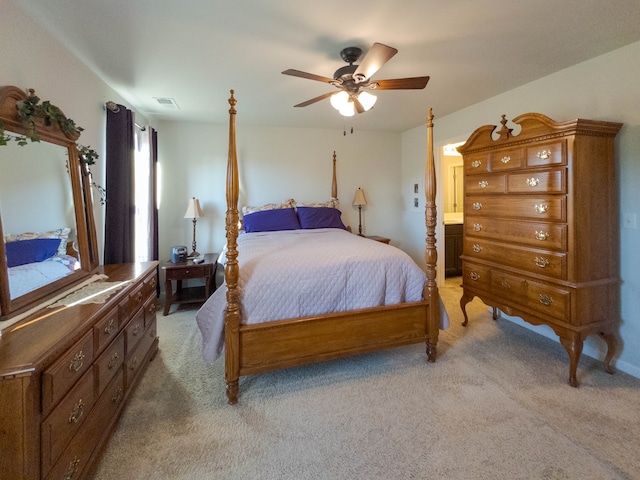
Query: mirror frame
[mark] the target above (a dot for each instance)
(86, 242)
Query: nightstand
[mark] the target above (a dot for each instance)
(379, 239)
(188, 271)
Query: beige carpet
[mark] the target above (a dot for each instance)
(495, 405)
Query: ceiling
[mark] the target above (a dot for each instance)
(195, 51)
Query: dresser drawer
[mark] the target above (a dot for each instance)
(547, 208)
(109, 363)
(551, 153)
(548, 300)
(541, 181)
(476, 276)
(134, 331)
(135, 360)
(553, 264)
(73, 461)
(479, 184)
(476, 163)
(506, 285)
(105, 330)
(150, 309)
(136, 300)
(509, 159)
(62, 375)
(545, 235)
(65, 420)
(150, 284)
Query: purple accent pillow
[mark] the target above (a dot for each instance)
(320, 217)
(271, 220)
(30, 251)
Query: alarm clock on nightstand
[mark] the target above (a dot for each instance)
(178, 254)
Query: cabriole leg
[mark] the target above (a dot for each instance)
(612, 343)
(574, 349)
(232, 392)
(463, 304)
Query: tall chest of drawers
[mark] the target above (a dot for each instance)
(67, 372)
(541, 227)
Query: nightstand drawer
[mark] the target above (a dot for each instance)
(184, 273)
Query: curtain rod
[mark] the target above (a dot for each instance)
(113, 106)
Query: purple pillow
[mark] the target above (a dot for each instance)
(320, 217)
(35, 250)
(271, 220)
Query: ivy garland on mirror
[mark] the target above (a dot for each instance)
(28, 110)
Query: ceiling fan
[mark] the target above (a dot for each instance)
(353, 80)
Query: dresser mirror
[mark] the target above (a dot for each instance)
(46, 213)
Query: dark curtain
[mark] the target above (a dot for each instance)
(120, 205)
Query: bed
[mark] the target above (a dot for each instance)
(258, 337)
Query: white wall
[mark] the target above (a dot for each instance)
(604, 88)
(31, 58)
(274, 164)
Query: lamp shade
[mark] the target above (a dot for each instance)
(358, 199)
(193, 209)
(367, 100)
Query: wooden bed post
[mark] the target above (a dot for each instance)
(231, 270)
(431, 255)
(334, 181)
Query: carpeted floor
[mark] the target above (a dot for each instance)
(495, 405)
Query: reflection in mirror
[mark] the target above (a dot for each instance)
(38, 213)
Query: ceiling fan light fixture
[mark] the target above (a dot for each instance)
(339, 100)
(348, 111)
(367, 100)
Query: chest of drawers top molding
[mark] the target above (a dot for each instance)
(541, 226)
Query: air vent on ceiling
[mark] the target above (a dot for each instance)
(168, 103)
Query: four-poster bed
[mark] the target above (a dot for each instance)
(284, 341)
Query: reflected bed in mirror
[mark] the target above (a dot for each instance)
(38, 217)
(46, 214)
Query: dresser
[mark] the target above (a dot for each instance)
(541, 227)
(66, 374)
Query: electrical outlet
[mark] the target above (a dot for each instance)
(630, 220)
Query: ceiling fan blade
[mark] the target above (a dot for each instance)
(314, 100)
(400, 83)
(375, 58)
(310, 76)
(358, 105)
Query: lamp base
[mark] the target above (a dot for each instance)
(193, 254)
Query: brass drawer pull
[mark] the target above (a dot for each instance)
(117, 395)
(545, 299)
(77, 362)
(542, 262)
(542, 236)
(544, 154)
(505, 284)
(113, 361)
(477, 227)
(533, 182)
(72, 469)
(483, 184)
(77, 412)
(138, 298)
(477, 248)
(477, 205)
(110, 326)
(542, 208)
(474, 276)
(136, 330)
(505, 159)
(134, 364)
(476, 163)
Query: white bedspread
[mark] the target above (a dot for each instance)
(298, 273)
(26, 278)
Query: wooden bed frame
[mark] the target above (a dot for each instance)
(279, 344)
